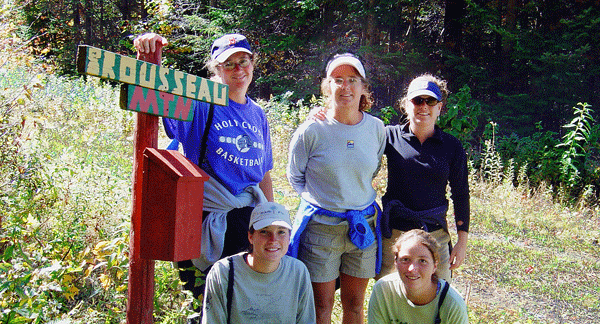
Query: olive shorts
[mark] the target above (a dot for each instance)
(326, 250)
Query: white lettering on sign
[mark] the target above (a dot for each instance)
(108, 65)
(164, 84)
(203, 92)
(190, 86)
(93, 66)
(116, 67)
(128, 70)
(178, 85)
(148, 75)
(222, 98)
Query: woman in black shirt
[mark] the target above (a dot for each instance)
(422, 161)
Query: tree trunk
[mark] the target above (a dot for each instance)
(395, 30)
(371, 37)
(88, 22)
(141, 9)
(412, 19)
(328, 14)
(510, 26)
(455, 10)
(76, 31)
(125, 7)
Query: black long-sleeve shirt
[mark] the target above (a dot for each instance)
(419, 173)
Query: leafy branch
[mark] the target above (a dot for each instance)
(573, 145)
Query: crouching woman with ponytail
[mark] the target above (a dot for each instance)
(414, 294)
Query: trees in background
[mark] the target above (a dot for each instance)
(530, 61)
(525, 62)
(59, 26)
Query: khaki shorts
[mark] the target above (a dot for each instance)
(326, 250)
(443, 270)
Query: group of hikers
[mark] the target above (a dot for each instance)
(258, 267)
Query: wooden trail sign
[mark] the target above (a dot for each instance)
(167, 89)
(155, 91)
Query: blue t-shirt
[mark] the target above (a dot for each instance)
(238, 150)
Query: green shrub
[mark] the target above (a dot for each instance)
(571, 164)
(462, 116)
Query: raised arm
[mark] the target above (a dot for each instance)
(149, 47)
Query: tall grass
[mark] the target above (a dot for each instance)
(530, 258)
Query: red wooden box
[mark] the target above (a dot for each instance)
(171, 220)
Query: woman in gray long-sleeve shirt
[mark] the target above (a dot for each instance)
(332, 163)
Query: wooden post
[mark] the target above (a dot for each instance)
(140, 294)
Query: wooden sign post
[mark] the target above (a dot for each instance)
(154, 91)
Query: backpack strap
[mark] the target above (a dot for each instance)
(209, 118)
(438, 320)
(229, 289)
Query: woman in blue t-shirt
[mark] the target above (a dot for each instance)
(238, 154)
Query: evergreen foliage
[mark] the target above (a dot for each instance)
(524, 61)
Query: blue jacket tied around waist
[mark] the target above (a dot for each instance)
(359, 229)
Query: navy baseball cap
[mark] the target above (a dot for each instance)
(228, 44)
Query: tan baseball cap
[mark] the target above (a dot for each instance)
(270, 213)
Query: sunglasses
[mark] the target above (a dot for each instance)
(229, 65)
(417, 101)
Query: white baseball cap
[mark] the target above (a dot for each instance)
(346, 59)
(423, 87)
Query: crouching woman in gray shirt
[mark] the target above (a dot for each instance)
(265, 285)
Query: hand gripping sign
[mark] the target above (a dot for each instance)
(150, 88)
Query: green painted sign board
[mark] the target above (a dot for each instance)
(151, 88)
